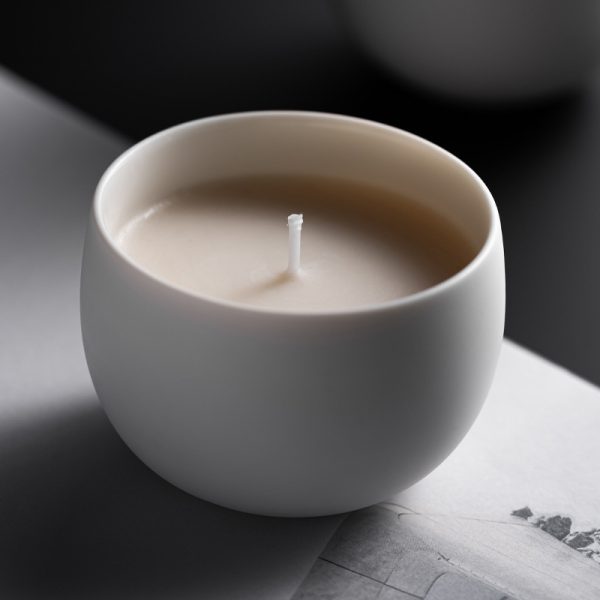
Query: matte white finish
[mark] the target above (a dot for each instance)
(481, 49)
(290, 413)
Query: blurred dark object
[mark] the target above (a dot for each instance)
(487, 50)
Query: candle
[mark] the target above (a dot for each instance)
(279, 374)
(361, 245)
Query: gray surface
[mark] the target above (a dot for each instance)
(80, 516)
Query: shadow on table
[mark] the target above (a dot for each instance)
(81, 517)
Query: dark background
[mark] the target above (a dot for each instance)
(142, 66)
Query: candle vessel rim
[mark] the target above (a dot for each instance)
(493, 228)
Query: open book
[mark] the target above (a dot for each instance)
(514, 512)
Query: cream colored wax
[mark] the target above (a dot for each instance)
(228, 240)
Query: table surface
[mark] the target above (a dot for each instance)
(139, 67)
(80, 517)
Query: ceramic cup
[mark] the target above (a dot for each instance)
(483, 50)
(290, 413)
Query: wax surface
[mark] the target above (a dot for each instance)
(361, 245)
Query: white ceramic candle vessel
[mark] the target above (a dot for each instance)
(278, 412)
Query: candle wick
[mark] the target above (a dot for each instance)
(295, 231)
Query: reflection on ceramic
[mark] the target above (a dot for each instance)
(491, 50)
